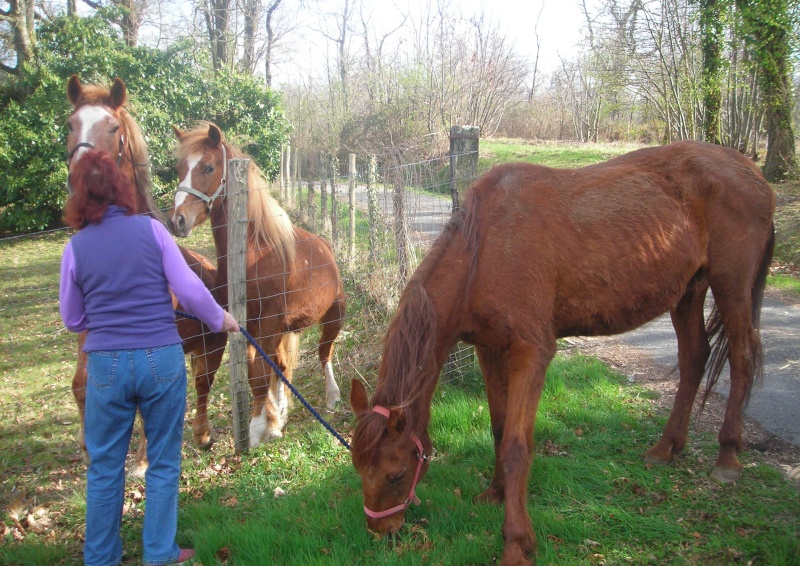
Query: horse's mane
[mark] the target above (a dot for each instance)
(409, 367)
(135, 150)
(270, 223)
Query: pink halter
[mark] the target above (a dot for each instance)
(411, 496)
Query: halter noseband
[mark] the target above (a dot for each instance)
(412, 498)
(209, 200)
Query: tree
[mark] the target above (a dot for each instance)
(768, 24)
(711, 29)
(20, 17)
(216, 14)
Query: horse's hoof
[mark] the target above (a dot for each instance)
(656, 460)
(205, 446)
(334, 406)
(726, 474)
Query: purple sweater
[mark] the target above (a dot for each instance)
(115, 282)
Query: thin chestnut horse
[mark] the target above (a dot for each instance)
(100, 120)
(292, 278)
(538, 254)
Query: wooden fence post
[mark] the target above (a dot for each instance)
(464, 142)
(372, 207)
(312, 207)
(282, 176)
(287, 190)
(296, 178)
(237, 299)
(400, 227)
(352, 202)
(334, 208)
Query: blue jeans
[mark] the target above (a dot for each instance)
(154, 380)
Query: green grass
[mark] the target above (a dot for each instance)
(591, 499)
(785, 283)
(562, 155)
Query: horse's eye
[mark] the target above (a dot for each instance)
(69, 126)
(208, 169)
(393, 479)
(114, 130)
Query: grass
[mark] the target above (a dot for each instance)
(562, 155)
(298, 501)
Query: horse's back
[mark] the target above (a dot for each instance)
(606, 248)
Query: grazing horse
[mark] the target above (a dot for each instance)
(538, 254)
(100, 120)
(292, 278)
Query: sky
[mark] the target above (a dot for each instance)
(559, 28)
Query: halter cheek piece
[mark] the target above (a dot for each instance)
(412, 498)
(89, 145)
(209, 200)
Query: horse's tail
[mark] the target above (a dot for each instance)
(715, 329)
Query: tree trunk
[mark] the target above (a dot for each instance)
(769, 28)
(711, 30)
(20, 15)
(252, 10)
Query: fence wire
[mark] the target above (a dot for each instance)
(380, 221)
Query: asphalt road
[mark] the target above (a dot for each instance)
(775, 404)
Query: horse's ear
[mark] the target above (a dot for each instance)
(358, 398)
(74, 89)
(397, 422)
(118, 93)
(178, 132)
(214, 135)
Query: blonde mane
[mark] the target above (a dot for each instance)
(269, 222)
(135, 149)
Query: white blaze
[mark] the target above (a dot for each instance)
(186, 181)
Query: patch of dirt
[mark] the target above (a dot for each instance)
(639, 368)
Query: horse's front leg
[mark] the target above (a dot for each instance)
(204, 369)
(527, 364)
(494, 368)
(262, 414)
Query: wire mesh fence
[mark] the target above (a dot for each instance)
(378, 219)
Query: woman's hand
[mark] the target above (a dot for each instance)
(229, 323)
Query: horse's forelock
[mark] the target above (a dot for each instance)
(368, 434)
(195, 140)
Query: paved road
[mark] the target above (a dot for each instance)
(775, 405)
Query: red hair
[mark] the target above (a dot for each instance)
(97, 183)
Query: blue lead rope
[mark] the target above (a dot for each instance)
(279, 373)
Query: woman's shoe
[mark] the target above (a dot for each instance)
(185, 555)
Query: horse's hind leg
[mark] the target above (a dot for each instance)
(494, 367)
(331, 326)
(79, 392)
(744, 347)
(693, 352)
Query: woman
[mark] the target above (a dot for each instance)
(116, 274)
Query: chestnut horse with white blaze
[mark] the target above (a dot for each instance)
(292, 278)
(538, 254)
(100, 120)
